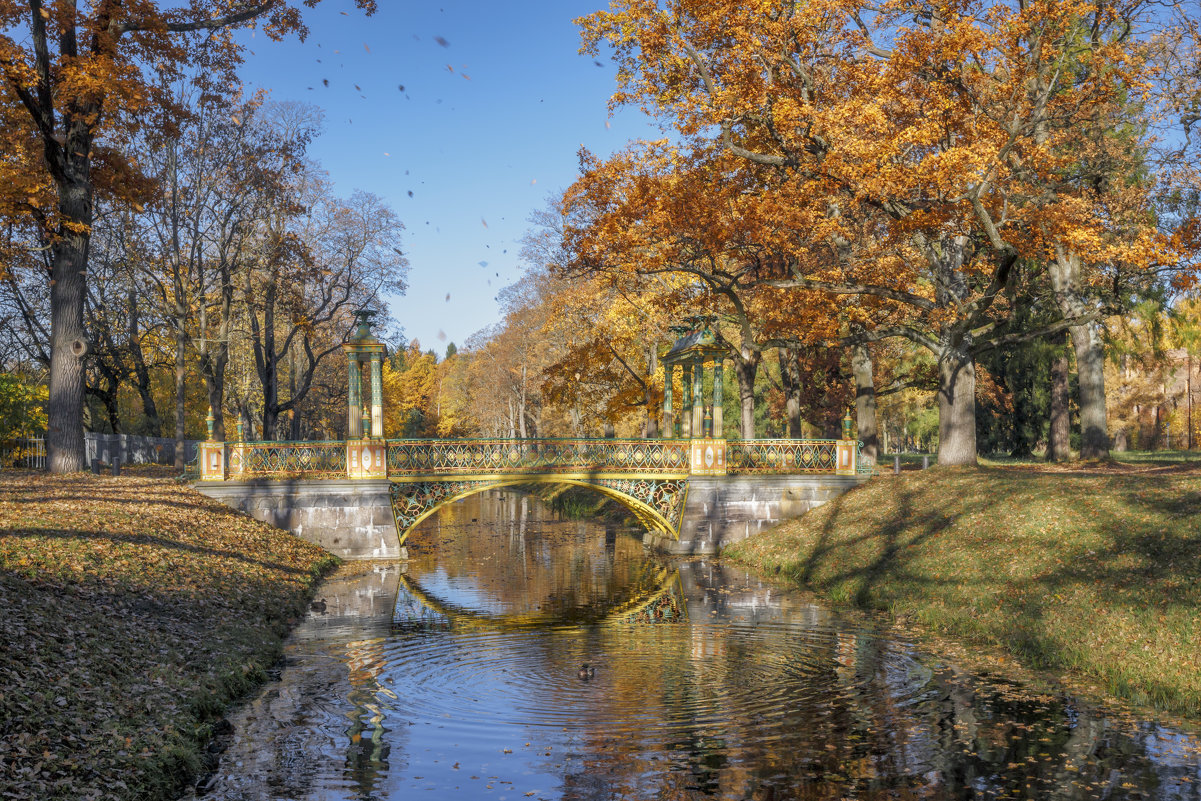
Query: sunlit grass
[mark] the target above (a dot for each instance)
(1093, 572)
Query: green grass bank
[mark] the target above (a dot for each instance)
(1092, 574)
(134, 611)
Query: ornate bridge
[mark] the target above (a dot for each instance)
(651, 477)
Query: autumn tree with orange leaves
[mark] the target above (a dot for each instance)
(77, 83)
(914, 158)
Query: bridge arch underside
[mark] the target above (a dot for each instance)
(657, 501)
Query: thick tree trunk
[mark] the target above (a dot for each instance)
(865, 401)
(1066, 281)
(68, 345)
(1058, 437)
(790, 381)
(1090, 371)
(746, 366)
(956, 407)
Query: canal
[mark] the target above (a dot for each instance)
(517, 655)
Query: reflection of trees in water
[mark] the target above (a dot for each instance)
(745, 711)
(862, 722)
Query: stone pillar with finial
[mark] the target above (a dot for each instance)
(847, 449)
(212, 454)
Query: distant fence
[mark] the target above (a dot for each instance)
(132, 449)
(27, 452)
(30, 452)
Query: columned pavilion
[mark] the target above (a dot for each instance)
(365, 409)
(696, 346)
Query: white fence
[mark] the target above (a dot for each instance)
(27, 452)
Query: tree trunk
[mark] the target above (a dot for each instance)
(956, 407)
(151, 425)
(746, 366)
(790, 382)
(521, 407)
(1058, 438)
(181, 385)
(1086, 339)
(650, 426)
(865, 401)
(68, 345)
(1090, 361)
(294, 416)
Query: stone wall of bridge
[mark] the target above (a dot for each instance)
(353, 518)
(721, 510)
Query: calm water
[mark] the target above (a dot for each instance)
(459, 675)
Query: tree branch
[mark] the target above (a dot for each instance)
(200, 25)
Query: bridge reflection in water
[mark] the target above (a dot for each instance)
(654, 599)
(442, 681)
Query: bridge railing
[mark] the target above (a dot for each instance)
(429, 457)
(765, 456)
(288, 458)
(423, 456)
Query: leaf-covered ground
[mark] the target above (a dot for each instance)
(1094, 574)
(133, 610)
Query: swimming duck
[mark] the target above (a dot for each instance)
(585, 672)
(318, 606)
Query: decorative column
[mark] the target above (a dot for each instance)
(212, 455)
(698, 392)
(685, 415)
(366, 451)
(354, 427)
(718, 380)
(377, 397)
(847, 449)
(668, 373)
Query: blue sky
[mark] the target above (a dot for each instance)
(496, 102)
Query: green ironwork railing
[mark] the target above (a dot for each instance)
(474, 457)
(268, 458)
(471, 456)
(781, 456)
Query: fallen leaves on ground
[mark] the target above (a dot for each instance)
(134, 610)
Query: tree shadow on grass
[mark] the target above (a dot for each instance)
(1124, 547)
(890, 564)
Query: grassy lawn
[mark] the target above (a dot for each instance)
(1093, 573)
(134, 610)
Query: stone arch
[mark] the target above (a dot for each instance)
(657, 502)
